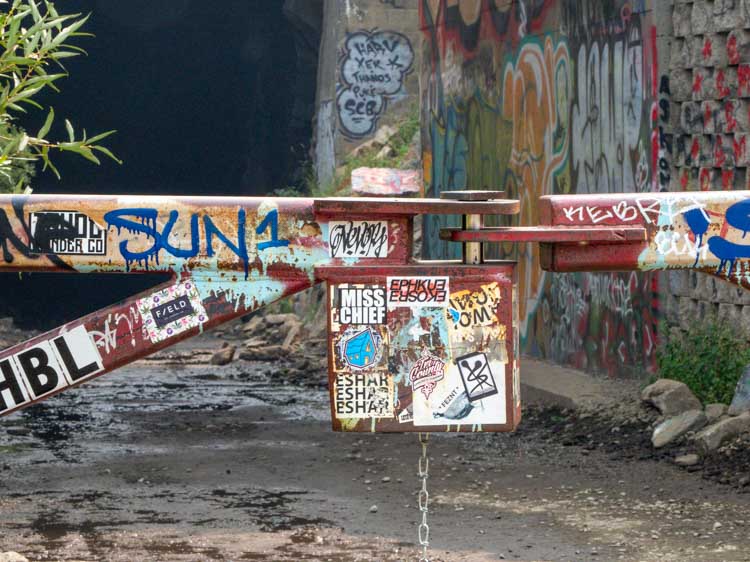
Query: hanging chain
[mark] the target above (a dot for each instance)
(423, 532)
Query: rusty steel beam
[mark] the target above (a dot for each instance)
(412, 345)
(554, 235)
(692, 230)
(231, 256)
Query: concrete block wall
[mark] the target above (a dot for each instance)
(709, 83)
(707, 126)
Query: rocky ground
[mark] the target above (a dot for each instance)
(176, 458)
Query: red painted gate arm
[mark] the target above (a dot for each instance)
(227, 257)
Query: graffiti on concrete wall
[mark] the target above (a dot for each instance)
(608, 152)
(373, 67)
(540, 97)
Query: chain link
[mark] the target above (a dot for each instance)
(423, 532)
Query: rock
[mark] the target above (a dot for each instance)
(255, 342)
(741, 401)
(384, 134)
(687, 460)
(224, 356)
(386, 152)
(18, 431)
(11, 556)
(675, 427)
(374, 509)
(292, 335)
(277, 319)
(265, 353)
(714, 412)
(254, 326)
(714, 436)
(670, 397)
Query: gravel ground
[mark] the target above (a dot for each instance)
(175, 459)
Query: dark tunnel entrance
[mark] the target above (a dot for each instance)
(208, 98)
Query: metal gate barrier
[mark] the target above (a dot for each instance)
(413, 346)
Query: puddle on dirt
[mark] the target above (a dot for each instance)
(74, 426)
(270, 511)
(310, 544)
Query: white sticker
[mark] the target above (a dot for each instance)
(360, 304)
(68, 233)
(47, 367)
(464, 397)
(172, 311)
(418, 291)
(358, 239)
(363, 396)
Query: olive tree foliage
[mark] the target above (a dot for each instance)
(35, 41)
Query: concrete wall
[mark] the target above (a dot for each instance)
(367, 74)
(707, 139)
(550, 96)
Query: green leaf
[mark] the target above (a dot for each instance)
(100, 136)
(106, 151)
(67, 32)
(71, 132)
(47, 124)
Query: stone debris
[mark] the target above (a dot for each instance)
(714, 436)
(714, 412)
(675, 427)
(741, 401)
(262, 353)
(224, 356)
(687, 460)
(11, 556)
(374, 509)
(18, 431)
(670, 397)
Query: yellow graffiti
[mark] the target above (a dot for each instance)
(533, 88)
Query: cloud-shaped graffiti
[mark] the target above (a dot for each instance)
(373, 67)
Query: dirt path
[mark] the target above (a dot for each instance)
(185, 461)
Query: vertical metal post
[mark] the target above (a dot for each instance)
(473, 252)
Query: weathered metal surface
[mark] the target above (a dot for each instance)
(555, 235)
(398, 207)
(413, 346)
(423, 348)
(692, 230)
(230, 256)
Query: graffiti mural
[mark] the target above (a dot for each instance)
(548, 97)
(373, 67)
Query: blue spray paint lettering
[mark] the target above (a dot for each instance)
(272, 220)
(738, 216)
(144, 221)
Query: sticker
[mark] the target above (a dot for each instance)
(172, 311)
(450, 401)
(358, 239)
(66, 233)
(360, 304)
(406, 416)
(360, 395)
(476, 376)
(361, 349)
(426, 373)
(418, 291)
(468, 309)
(48, 366)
